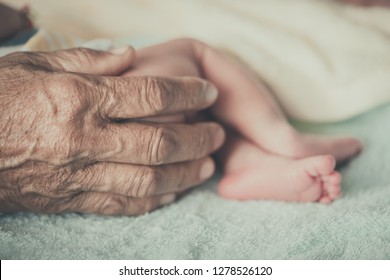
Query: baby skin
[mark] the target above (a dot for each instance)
(270, 159)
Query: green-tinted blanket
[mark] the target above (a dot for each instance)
(203, 226)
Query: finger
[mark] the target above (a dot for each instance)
(139, 97)
(88, 61)
(113, 204)
(153, 144)
(143, 181)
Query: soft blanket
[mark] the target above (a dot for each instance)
(345, 59)
(204, 226)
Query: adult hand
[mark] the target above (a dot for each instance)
(64, 148)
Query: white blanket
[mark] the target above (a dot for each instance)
(325, 61)
(306, 50)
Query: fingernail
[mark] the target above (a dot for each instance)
(219, 138)
(207, 169)
(120, 50)
(167, 198)
(211, 92)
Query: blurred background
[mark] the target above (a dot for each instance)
(104, 18)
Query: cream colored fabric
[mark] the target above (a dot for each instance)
(324, 60)
(48, 41)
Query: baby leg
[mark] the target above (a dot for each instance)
(243, 103)
(250, 108)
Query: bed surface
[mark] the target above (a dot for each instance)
(203, 226)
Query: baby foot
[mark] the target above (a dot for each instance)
(288, 142)
(252, 174)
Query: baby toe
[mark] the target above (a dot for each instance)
(332, 178)
(325, 200)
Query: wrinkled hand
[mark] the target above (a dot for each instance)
(63, 146)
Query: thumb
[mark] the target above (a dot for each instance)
(88, 61)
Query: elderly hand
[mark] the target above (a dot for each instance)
(65, 147)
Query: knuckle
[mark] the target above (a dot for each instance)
(87, 177)
(151, 180)
(85, 55)
(51, 205)
(64, 98)
(41, 204)
(121, 205)
(63, 150)
(152, 90)
(163, 145)
(72, 58)
(43, 180)
(202, 143)
(113, 205)
(182, 178)
(70, 116)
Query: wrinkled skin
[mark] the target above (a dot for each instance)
(74, 138)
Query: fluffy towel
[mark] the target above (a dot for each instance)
(204, 226)
(325, 61)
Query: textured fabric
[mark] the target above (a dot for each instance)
(326, 61)
(203, 226)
